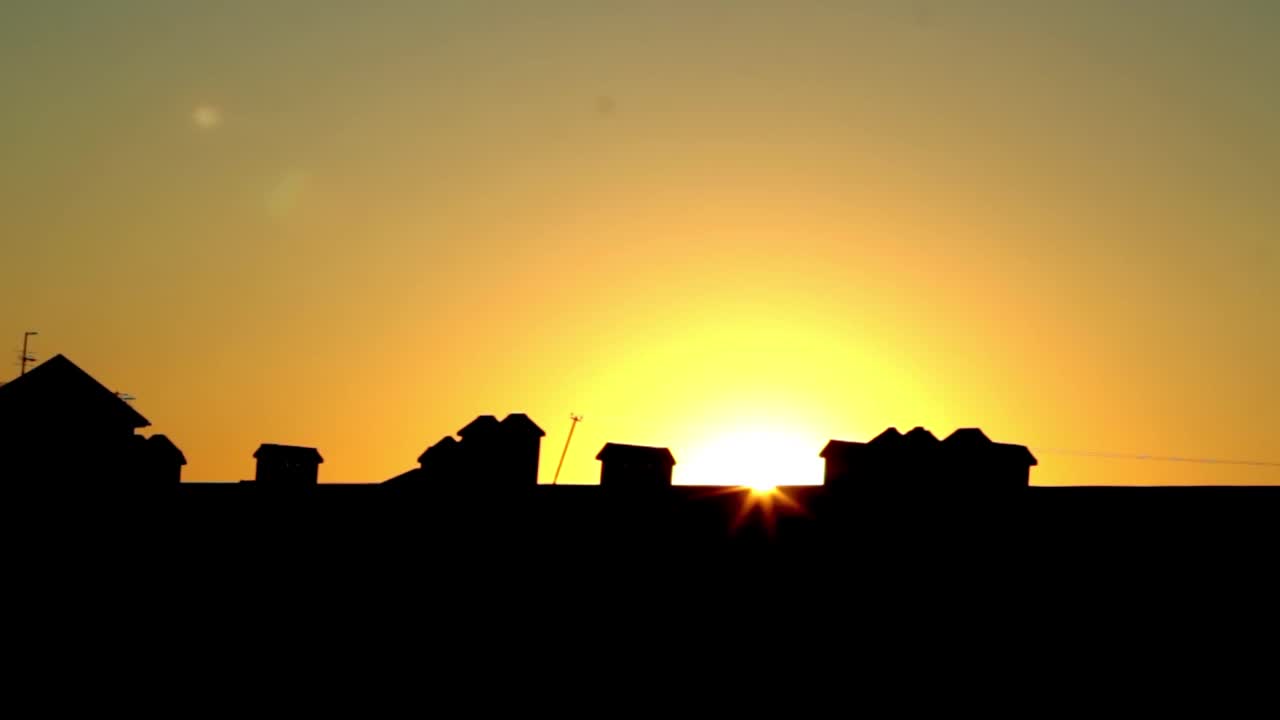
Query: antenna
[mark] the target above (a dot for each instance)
(25, 357)
(575, 420)
(125, 396)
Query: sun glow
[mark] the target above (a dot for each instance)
(758, 458)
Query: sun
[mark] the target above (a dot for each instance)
(760, 458)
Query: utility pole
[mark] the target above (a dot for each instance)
(575, 420)
(25, 358)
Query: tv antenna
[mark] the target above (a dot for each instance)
(575, 419)
(26, 357)
(125, 396)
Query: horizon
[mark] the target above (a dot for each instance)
(702, 225)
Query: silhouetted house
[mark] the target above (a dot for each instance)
(287, 466)
(441, 460)
(846, 462)
(481, 430)
(162, 462)
(490, 455)
(437, 464)
(521, 445)
(915, 456)
(895, 462)
(59, 424)
(842, 459)
(499, 454)
(971, 457)
(635, 467)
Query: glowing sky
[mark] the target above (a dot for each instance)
(357, 225)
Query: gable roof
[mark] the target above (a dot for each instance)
(968, 437)
(60, 388)
(890, 436)
(919, 436)
(292, 453)
(446, 444)
(162, 445)
(973, 439)
(634, 453)
(835, 448)
(482, 425)
(519, 422)
(1020, 453)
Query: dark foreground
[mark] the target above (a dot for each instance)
(871, 591)
(405, 533)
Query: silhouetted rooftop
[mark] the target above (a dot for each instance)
(519, 422)
(967, 436)
(838, 447)
(888, 437)
(918, 437)
(446, 444)
(619, 451)
(59, 388)
(292, 453)
(481, 426)
(162, 444)
(970, 440)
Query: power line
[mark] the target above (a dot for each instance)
(1156, 458)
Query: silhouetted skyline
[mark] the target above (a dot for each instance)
(64, 429)
(702, 225)
(58, 406)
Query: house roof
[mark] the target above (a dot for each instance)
(972, 439)
(292, 453)
(968, 437)
(1018, 452)
(964, 441)
(446, 443)
(645, 453)
(482, 425)
(838, 447)
(405, 478)
(161, 444)
(888, 437)
(519, 422)
(58, 387)
(919, 436)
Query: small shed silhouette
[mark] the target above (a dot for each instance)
(635, 467)
(162, 462)
(287, 466)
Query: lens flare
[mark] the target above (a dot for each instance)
(206, 117)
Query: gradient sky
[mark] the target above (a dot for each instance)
(357, 225)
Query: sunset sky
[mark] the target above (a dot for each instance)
(700, 224)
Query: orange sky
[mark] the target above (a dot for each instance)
(358, 228)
